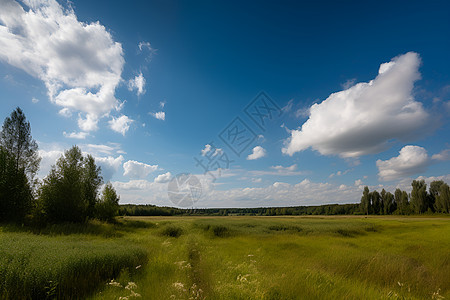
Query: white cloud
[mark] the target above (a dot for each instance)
(256, 180)
(34, 100)
(258, 152)
(138, 170)
(48, 158)
(443, 155)
(365, 117)
(65, 112)
(110, 165)
(163, 178)
(162, 104)
(358, 182)
(348, 83)
(339, 173)
(147, 47)
(138, 84)
(160, 115)
(76, 135)
(79, 62)
(281, 168)
(120, 124)
(206, 150)
(88, 124)
(411, 160)
(102, 149)
(279, 171)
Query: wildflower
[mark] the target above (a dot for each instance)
(134, 294)
(138, 267)
(179, 286)
(131, 286)
(114, 283)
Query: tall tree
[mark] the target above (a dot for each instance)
(389, 203)
(92, 180)
(443, 199)
(376, 202)
(419, 195)
(365, 201)
(16, 139)
(383, 208)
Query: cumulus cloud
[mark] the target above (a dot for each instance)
(76, 135)
(358, 182)
(365, 117)
(411, 160)
(160, 115)
(48, 159)
(258, 152)
(34, 100)
(138, 84)
(110, 165)
(163, 178)
(443, 155)
(138, 170)
(120, 124)
(80, 63)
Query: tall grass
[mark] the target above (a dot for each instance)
(232, 258)
(296, 258)
(64, 266)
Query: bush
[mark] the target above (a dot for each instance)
(172, 231)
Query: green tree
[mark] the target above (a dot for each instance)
(389, 203)
(419, 196)
(108, 206)
(376, 203)
(383, 208)
(92, 180)
(15, 192)
(443, 198)
(398, 201)
(16, 139)
(365, 201)
(71, 188)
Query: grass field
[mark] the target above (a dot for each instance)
(240, 258)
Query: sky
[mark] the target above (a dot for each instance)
(274, 103)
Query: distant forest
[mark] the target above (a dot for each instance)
(419, 201)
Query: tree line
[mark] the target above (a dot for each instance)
(419, 201)
(69, 193)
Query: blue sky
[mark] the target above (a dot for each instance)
(361, 91)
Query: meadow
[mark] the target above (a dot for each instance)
(348, 257)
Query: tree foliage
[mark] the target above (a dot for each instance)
(16, 139)
(69, 192)
(108, 206)
(15, 191)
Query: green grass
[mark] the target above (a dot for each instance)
(64, 261)
(241, 258)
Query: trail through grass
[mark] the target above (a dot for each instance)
(293, 258)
